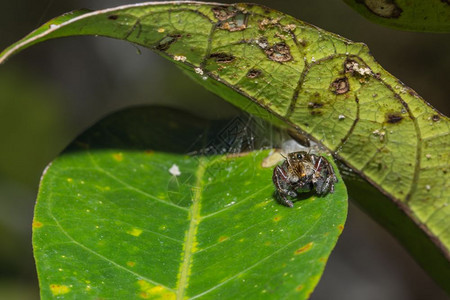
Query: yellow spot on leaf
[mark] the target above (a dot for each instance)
(277, 218)
(340, 227)
(299, 288)
(161, 30)
(223, 238)
(103, 188)
(131, 263)
(268, 243)
(58, 289)
(241, 240)
(118, 156)
(323, 259)
(37, 224)
(135, 231)
(194, 247)
(261, 204)
(69, 179)
(304, 248)
(154, 291)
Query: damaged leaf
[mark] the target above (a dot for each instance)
(394, 146)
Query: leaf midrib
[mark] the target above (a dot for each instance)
(191, 233)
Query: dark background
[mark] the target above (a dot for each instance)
(53, 91)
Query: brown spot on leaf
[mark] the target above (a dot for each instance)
(412, 92)
(359, 69)
(222, 57)
(268, 22)
(340, 227)
(59, 289)
(113, 17)
(37, 224)
(393, 118)
(230, 18)
(304, 248)
(131, 263)
(168, 40)
(118, 156)
(253, 73)
(223, 238)
(435, 118)
(323, 259)
(299, 288)
(262, 42)
(340, 86)
(279, 52)
(313, 105)
(223, 13)
(384, 8)
(263, 23)
(349, 65)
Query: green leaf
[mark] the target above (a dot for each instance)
(111, 221)
(415, 15)
(324, 87)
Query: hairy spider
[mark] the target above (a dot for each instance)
(305, 172)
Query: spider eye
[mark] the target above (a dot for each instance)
(300, 156)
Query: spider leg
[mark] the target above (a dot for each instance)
(324, 185)
(331, 172)
(317, 164)
(284, 201)
(280, 179)
(320, 186)
(331, 177)
(330, 181)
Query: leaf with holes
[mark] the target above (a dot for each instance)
(394, 145)
(415, 15)
(123, 213)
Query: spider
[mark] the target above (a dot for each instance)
(305, 172)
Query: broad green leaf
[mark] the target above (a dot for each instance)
(415, 15)
(112, 222)
(325, 87)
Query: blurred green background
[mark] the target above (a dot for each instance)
(53, 91)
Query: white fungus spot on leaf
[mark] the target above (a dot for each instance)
(198, 71)
(180, 58)
(174, 170)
